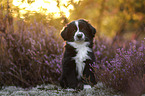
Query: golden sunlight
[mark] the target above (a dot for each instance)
(45, 7)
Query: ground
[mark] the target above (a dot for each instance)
(53, 90)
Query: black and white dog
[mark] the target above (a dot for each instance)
(78, 55)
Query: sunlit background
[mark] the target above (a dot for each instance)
(110, 17)
(45, 6)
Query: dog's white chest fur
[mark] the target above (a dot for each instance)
(82, 50)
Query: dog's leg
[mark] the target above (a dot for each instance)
(72, 79)
(89, 76)
(63, 82)
(93, 78)
(80, 85)
(69, 79)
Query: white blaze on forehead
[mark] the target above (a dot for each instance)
(78, 32)
(77, 25)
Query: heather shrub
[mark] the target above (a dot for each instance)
(30, 55)
(119, 72)
(103, 50)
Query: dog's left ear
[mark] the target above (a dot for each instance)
(93, 30)
(64, 33)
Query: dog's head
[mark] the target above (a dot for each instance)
(78, 31)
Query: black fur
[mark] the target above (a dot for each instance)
(69, 74)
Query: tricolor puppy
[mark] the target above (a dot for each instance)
(78, 55)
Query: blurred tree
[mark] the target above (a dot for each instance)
(62, 16)
(6, 18)
(31, 1)
(9, 12)
(112, 18)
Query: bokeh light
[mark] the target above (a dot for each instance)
(45, 7)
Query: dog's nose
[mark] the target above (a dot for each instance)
(79, 36)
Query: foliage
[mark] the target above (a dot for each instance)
(30, 56)
(110, 17)
(127, 66)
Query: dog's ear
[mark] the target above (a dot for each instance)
(93, 30)
(64, 33)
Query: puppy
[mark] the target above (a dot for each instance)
(78, 55)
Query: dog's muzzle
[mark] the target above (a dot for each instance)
(79, 36)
